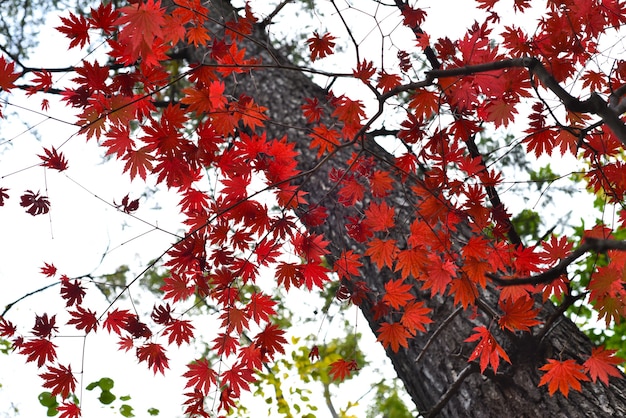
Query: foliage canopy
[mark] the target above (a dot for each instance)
(323, 189)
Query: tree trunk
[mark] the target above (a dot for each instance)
(443, 382)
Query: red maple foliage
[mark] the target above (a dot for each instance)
(35, 203)
(427, 217)
(60, 379)
(562, 375)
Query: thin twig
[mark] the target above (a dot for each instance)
(41, 289)
(437, 332)
(468, 370)
(277, 9)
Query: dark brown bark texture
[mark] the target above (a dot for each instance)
(443, 368)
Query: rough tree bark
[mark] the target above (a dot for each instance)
(442, 382)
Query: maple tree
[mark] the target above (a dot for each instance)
(395, 199)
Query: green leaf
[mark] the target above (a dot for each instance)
(92, 385)
(125, 398)
(46, 399)
(52, 411)
(106, 383)
(126, 411)
(153, 411)
(106, 397)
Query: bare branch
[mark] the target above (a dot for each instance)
(271, 16)
(41, 289)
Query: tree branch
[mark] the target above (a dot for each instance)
(590, 244)
(468, 370)
(437, 331)
(594, 104)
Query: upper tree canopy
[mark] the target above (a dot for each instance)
(395, 199)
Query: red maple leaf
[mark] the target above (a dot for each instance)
(387, 81)
(351, 191)
(381, 183)
(561, 375)
(127, 205)
(44, 326)
(519, 314)
(397, 294)
(320, 46)
(194, 404)
(540, 141)
(138, 162)
(7, 329)
(312, 110)
(73, 293)
(205, 99)
(154, 354)
(314, 275)
(347, 264)
(311, 247)
(270, 341)
(75, 28)
(260, 307)
(487, 348)
(350, 112)
(48, 270)
(314, 354)
(142, 23)
(411, 262)
(40, 350)
(38, 204)
(198, 35)
(380, 216)
(602, 364)
(187, 255)
(7, 76)
(237, 378)
(394, 335)
(225, 344)
(42, 82)
(501, 112)
(412, 17)
(440, 274)
(103, 17)
(382, 252)
(126, 343)
(69, 410)
(288, 274)
(3, 195)
(162, 314)
(119, 141)
(116, 320)
(325, 138)
(136, 328)
(341, 369)
(557, 248)
(83, 319)
(201, 376)
(364, 71)
(176, 287)
(180, 331)
(414, 317)
(234, 318)
(422, 40)
(60, 379)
